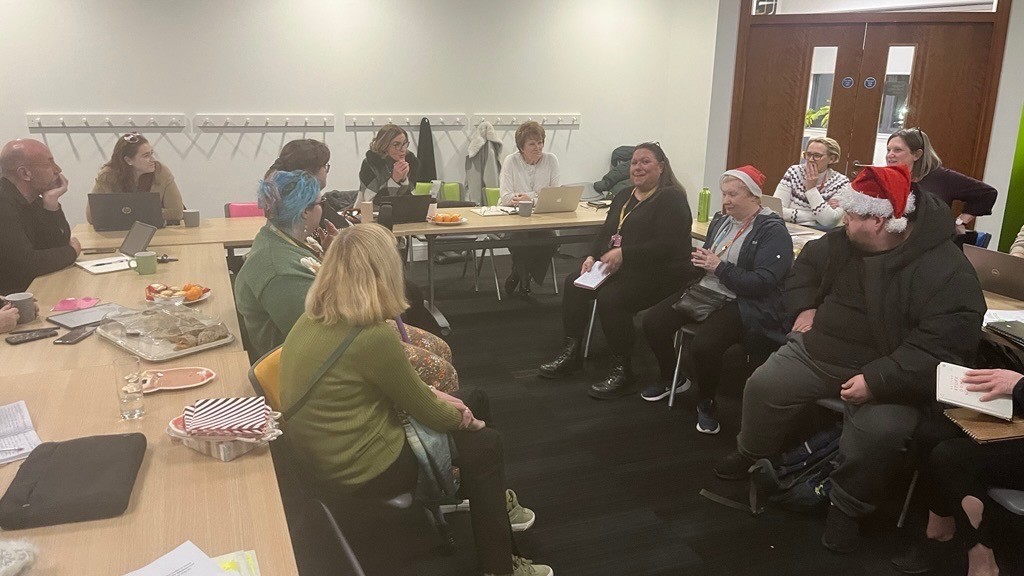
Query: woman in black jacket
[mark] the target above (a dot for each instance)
(389, 169)
(644, 245)
(745, 258)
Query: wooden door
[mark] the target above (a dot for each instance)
(768, 120)
(949, 85)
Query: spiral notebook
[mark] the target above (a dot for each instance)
(983, 428)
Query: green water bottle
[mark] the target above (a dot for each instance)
(703, 205)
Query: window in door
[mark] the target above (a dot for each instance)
(892, 115)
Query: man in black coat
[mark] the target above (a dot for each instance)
(878, 304)
(35, 237)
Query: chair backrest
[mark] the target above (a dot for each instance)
(492, 196)
(451, 191)
(422, 189)
(265, 378)
(242, 209)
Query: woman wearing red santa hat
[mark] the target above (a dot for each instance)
(746, 256)
(912, 148)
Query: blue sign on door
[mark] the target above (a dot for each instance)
(870, 82)
(848, 82)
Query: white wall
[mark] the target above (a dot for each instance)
(635, 71)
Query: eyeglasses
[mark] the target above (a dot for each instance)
(400, 145)
(132, 137)
(814, 156)
(327, 167)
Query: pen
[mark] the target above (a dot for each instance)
(108, 263)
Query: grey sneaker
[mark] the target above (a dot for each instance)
(523, 567)
(519, 516)
(656, 392)
(707, 422)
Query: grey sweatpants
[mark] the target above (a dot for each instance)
(875, 436)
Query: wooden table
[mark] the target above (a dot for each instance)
(585, 217)
(179, 494)
(203, 264)
(699, 230)
(229, 232)
(1000, 302)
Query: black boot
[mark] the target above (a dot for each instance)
(618, 383)
(924, 556)
(568, 361)
(524, 283)
(512, 283)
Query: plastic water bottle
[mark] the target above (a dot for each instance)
(703, 205)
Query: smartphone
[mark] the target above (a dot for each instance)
(24, 337)
(75, 336)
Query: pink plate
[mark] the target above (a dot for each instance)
(176, 378)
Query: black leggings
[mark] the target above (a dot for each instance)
(481, 463)
(618, 300)
(958, 467)
(417, 314)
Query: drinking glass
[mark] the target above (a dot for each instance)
(128, 382)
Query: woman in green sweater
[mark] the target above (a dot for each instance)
(345, 425)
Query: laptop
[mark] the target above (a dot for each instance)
(116, 212)
(998, 272)
(137, 240)
(558, 199)
(775, 205)
(408, 209)
(772, 203)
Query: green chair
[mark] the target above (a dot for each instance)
(422, 189)
(492, 196)
(451, 192)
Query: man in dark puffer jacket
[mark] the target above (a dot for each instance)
(878, 304)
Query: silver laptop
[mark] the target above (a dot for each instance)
(772, 203)
(558, 199)
(998, 272)
(137, 240)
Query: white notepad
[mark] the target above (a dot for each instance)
(950, 388)
(104, 265)
(493, 210)
(593, 279)
(17, 435)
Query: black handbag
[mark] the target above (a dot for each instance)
(73, 481)
(698, 302)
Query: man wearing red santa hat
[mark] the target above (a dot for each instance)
(878, 303)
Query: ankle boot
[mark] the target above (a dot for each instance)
(618, 383)
(568, 361)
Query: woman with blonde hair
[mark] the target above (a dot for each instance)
(344, 379)
(389, 169)
(809, 191)
(132, 168)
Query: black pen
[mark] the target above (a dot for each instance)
(107, 263)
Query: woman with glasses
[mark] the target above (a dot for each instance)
(133, 168)
(644, 246)
(389, 169)
(912, 148)
(809, 191)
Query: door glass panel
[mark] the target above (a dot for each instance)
(769, 7)
(819, 97)
(895, 94)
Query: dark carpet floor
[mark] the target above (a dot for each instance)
(615, 483)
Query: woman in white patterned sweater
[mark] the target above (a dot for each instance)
(809, 192)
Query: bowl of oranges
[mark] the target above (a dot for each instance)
(446, 219)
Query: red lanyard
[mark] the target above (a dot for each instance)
(739, 232)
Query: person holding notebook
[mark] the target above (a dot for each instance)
(133, 168)
(35, 237)
(955, 478)
(523, 174)
(645, 245)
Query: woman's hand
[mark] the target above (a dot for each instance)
(326, 235)
(521, 198)
(476, 425)
(833, 202)
(804, 321)
(994, 383)
(587, 265)
(706, 259)
(8, 318)
(467, 414)
(400, 171)
(810, 176)
(967, 218)
(612, 260)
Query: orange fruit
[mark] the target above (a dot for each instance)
(194, 293)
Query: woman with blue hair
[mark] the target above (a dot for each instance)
(270, 289)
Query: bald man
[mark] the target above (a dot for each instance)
(35, 237)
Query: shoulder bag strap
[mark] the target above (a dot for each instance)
(323, 370)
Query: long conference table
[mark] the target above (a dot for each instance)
(179, 494)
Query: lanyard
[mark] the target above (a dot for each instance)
(721, 233)
(316, 254)
(623, 214)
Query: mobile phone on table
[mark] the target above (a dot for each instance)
(75, 336)
(31, 336)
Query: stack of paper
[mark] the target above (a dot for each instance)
(189, 560)
(593, 279)
(17, 435)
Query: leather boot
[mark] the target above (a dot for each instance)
(568, 360)
(618, 383)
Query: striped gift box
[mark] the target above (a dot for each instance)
(239, 417)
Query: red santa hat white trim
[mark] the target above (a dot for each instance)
(881, 191)
(751, 177)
